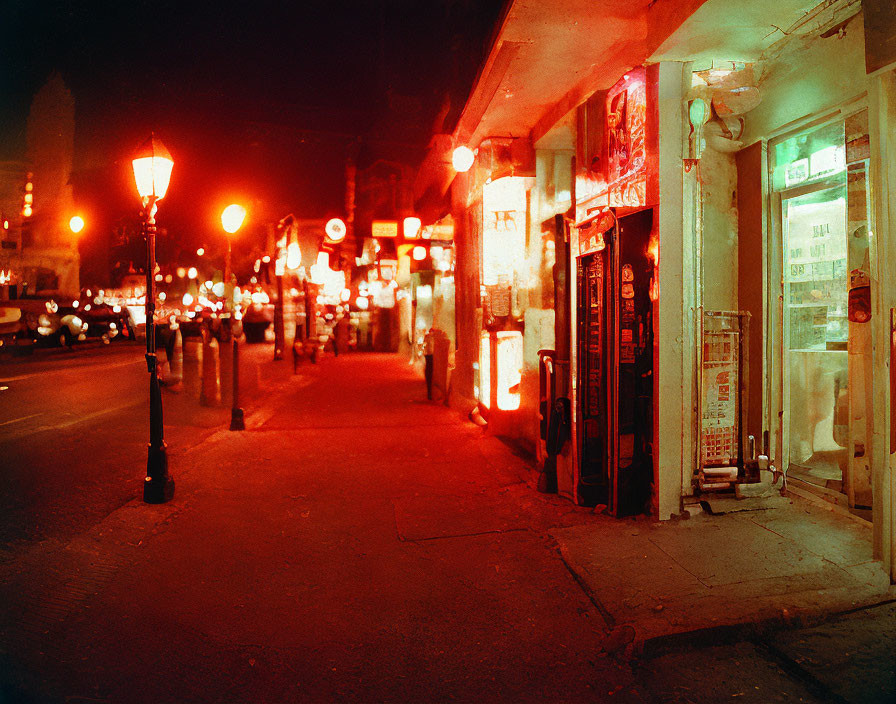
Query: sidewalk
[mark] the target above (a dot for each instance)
(714, 575)
(357, 543)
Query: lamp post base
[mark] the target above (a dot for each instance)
(158, 487)
(237, 420)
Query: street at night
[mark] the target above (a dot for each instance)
(73, 425)
(448, 351)
(331, 552)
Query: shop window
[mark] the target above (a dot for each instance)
(820, 181)
(503, 230)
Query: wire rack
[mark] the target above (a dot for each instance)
(723, 394)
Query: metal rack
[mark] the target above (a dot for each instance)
(723, 392)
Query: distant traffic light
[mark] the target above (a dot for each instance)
(28, 200)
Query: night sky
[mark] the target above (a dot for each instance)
(260, 102)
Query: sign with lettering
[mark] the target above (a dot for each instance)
(384, 228)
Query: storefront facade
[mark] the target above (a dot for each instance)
(785, 153)
(710, 284)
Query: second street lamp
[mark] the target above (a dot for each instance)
(152, 172)
(232, 220)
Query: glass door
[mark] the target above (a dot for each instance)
(822, 230)
(816, 332)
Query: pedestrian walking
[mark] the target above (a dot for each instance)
(340, 334)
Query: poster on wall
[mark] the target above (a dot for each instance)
(719, 404)
(617, 136)
(626, 142)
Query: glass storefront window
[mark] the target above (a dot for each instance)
(809, 158)
(819, 177)
(815, 269)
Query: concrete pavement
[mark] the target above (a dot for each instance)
(356, 543)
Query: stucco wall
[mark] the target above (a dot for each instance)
(806, 76)
(719, 177)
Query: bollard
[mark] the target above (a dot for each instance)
(210, 394)
(192, 366)
(237, 418)
(162, 359)
(176, 363)
(225, 368)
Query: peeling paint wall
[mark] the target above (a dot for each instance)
(804, 76)
(719, 191)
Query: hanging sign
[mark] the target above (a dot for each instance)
(384, 228)
(591, 232)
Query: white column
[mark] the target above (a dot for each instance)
(675, 371)
(882, 123)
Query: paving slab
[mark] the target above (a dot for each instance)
(745, 570)
(853, 656)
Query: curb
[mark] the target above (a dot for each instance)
(726, 634)
(38, 352)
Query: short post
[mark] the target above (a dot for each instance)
(210, 395)
(237, 419)
(279, 331)
(192, 366)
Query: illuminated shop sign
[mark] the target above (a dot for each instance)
(503, 230)
(590, 232)
(509, 356)
(384, 228)
(810, 157)
(439, 231)
(618, 174)
(627, 141)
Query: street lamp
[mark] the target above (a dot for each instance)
(462, 158)
(152, 172)
(76, 224)
(232, 220)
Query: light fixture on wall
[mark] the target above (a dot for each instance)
(462, 159)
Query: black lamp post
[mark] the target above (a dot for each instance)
(232, 220)
(152, 172)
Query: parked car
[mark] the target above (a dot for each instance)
(13, 330)
(41, 321)
(257, 317)
(103, 321)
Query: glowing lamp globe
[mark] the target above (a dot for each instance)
(335, 230)
(232, 218)
(419, 253)
(76, 224)
(293, 256)
(411, 228)
(462, 159)
(152, 169)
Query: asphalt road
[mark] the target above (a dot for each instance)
(74, 426)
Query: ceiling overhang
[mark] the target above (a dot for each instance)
(548, 58)
(730, 30)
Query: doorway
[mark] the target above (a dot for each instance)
(615, 369)
(822, 210)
